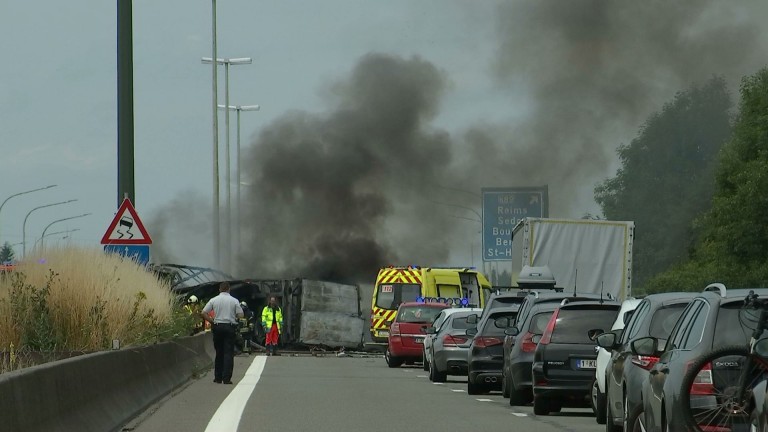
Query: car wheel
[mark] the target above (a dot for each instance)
(472, 388)
(599, 401)
(610, 426)
(516, 397)
(424, 363)
(392, 361)
(632, 420)
(435, 375)
(540, 406)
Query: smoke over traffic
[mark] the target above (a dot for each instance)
(371, 180)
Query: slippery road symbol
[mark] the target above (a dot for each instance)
(124, 227)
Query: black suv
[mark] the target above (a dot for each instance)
(484, 359)
(655, 316)
(713, 319)
(565, 359)
(496, 300)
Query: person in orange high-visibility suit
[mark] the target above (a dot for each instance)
(272, 321)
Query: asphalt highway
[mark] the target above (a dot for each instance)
(332, 394)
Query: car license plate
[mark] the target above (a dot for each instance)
(383, 333)
(419, 340)
(586, 364)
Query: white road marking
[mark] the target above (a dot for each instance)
(438, 383)
(457, 390)
(421, 376)
(484, 400)
(227, 417)
(520, 414)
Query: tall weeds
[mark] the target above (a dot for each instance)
(80, 300)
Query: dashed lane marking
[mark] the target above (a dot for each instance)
(438, 383)
(421, 376)
(227, 417)
(520, 414)
(457, 390)
(484, 400)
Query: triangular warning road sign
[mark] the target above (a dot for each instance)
(126, 228)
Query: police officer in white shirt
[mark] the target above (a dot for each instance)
(226, 312)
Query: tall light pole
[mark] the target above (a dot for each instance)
(216, 238)
(24, 226)
(238, 108)
(22, 193)
(228, 209)
(53, 233)
(57, 221)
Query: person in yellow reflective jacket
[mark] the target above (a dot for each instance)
(272, 321)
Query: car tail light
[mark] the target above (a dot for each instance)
(452, 341)
(645, 362)
(527, 344)
(702, 384)
(547, 336)
(394, 329)
(487, 341)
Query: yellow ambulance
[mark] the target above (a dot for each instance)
(455, 286)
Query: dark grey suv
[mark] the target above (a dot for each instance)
(713, 319)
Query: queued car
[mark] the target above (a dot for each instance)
(437, 325)
(604, 356)
(406, 334)
(450, 345)
(516, 380)
(655, 316)
(485, 356)
(496, 300)
(518, 357)
(565, 359)
(712, 320)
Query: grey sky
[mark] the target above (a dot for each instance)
(58, 110)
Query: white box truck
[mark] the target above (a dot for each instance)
(589, 256)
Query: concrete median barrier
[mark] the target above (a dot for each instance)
(98, 392)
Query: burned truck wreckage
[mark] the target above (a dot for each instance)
(316, 313)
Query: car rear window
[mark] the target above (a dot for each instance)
(490, 328)
(539, 322)
(573, 324)
(460, 323)
(734, 324)
(418, 314)
(504, 301)
(664, 320)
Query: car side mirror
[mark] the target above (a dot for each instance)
(472, 319)
(430, 330)
(502, 322)
(471, 331)
(761, 347)
(594, 333)
(606, 340)
(647, 346)
(512, 331)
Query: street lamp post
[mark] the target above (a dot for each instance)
(51, 234)
(238, 108)
(57, 221)
(22, 193)
(228, 210)
(24, 226)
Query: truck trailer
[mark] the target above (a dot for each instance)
(588, 256)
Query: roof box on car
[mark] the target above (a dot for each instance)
(537, 276)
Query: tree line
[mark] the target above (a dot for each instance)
(695, 181)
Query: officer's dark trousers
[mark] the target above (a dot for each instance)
(224, 343)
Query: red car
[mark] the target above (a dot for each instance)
(406, 334)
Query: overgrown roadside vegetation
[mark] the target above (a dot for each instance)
(72, 300)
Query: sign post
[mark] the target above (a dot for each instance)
(502, 210)
(127, 236)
